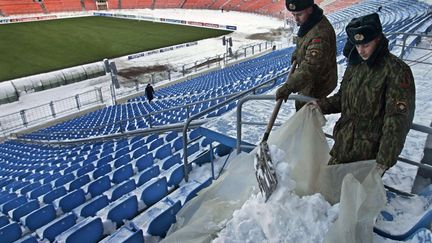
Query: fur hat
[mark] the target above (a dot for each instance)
(364, 29)
(298, 5)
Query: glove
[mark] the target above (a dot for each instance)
(314, 104)
(381, 169)
(282, 93)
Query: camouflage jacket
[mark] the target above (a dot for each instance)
(377, 101)
(316, 73)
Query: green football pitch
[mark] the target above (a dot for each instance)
(37, 47)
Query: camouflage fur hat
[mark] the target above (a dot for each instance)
(298, 5)
(364, 29)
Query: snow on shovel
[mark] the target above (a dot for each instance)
(264, 167)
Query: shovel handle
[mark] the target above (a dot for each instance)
(276, 110)
(272, 120)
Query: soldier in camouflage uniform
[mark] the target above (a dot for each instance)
(376, 99)
(315, 54)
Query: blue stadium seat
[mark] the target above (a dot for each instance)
(194, 134)
(104, 160)
(30, 187)
(4, 220)
(91, 229)
(71, 169)
(175, 175)
(156, 143)
(54, 194)
(85, 169)
(163, 152)
(7, 197)
(140, 152)
(14, 203)
(64, 179)
(146, 175)
(138, 144)
(122, 189)
(52, 177)
(10, 233)
(123, 160)
(79, 182)
(91, 207)
(99, 186)
(16, 185)
(123, 173)
(178, 144)
(124, 208)
(154, 190)
(157, 219)
(121, 152)
(35, 193)
(144, 162)
(25, 209)
(124, 235)
(71, 200)
(193, 149)
(102, 171)
(40, 217)
(152, 138)
(57, 226)
(170, 136)
(175, 159)
(161, 223)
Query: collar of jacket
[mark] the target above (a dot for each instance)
(313, 19)
(355, 59)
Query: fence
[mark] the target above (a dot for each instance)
(35, 115)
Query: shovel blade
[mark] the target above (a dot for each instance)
(265, 171)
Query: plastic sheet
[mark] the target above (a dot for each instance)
(362, 198)
(204, 216)
(306, 146)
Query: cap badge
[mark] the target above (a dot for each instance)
(359, 37)
(291, 6)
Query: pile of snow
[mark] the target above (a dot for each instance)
(286, 217)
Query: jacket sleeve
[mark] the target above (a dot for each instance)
(311, 66)
(398, 117)
(333, 104)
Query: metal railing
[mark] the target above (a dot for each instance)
(410, 41)
(33, 116)
(235, 97)
(415, 127)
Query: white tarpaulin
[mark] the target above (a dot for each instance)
(306, 149)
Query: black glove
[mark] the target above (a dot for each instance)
(283, 92)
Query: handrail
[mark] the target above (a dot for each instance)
(200, 114)
(415, 127)
(259, 97)
(144, 132)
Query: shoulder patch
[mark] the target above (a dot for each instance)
(314, 52)
(401, 107)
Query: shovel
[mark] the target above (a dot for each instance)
(264, 167)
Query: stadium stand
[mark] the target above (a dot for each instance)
(13, 7)
(168, 3)
(62, 5)
(135, 185)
